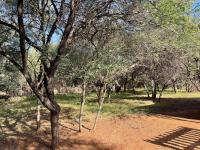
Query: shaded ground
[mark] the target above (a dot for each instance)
(179, 138)
(172, 124)
(183, 108)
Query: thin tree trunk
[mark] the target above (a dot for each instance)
(97, 116)
(109, 97)
(100, 101)
(38, 115)
(125, 85)
(157, 86)
(174, 87)
(109, 93)
(186, 86)
(196, 86)
(54, 130)
(82, 105)
(187, 81)
(147, 90)
(160, 95)
(133, 82)
(154, 92)
(134, 92)
(39, 110)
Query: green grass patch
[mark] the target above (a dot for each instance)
(23, 109)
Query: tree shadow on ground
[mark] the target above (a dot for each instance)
(18, 131)
(129, 96)
(181, 138)
(176, 108)
(12, 138)
(18, 126)
(84, 144)
(188, 108)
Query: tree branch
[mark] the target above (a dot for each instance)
(11, 59)
(66, 38)
(54, 26)
(24, 56)
(31, 43)
(55, 8)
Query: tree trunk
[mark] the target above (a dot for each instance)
(54, 111)
(39, 109)
(187, 81)
(82, 105)
(109, 96)
(186, 86)
(174, 87)
(101, 97)
(125, 85)
(134, 92)
(154, 92)
(133, 83)
(54, 130)
(157, 86)
(38, 115)
(147, 90)
(109, 93)
(48, 100)
(125, 82)
(97, 116)
(160, 95)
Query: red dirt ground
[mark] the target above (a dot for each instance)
(136, 132)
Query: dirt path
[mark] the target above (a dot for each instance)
(140, 133)
(136, 132)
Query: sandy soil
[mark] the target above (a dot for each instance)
(136, 132)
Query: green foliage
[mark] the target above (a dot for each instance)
(111, 61)
(93, 63)
(9, 77)
(167, 12)
(175, 25)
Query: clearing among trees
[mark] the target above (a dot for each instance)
(128, 122)
(99, 74)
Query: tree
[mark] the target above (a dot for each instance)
(111, 63)
(92, 65)
(169, 29)
(79, 65)
(37, 24)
